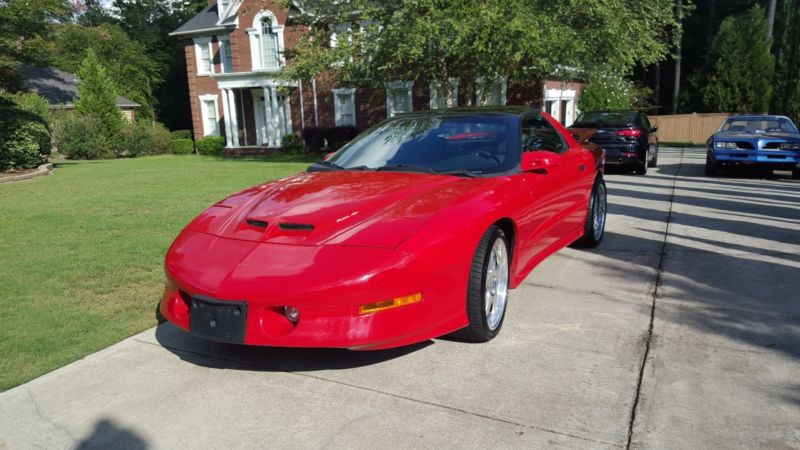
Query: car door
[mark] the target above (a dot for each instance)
(553, 191)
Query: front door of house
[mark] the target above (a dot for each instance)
(260, 116)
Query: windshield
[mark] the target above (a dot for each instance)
(474, 144)
(607, 118)
(759, 125)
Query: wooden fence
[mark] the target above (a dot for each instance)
(687, 128)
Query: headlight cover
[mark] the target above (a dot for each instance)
(726, 145)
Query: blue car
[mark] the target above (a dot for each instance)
(761, 141)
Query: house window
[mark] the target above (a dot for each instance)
(493, 93)
(205, 57)
(344, 105)
(399, 97)
(208, 109)
(444, 98)
(226, 55)
(266, 42)
(223, 5)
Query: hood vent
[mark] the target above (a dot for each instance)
(297, 226)
(257, 223)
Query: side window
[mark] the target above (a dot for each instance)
(538, 134)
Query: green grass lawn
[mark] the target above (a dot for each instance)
(81, 251)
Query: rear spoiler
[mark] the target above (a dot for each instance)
(582, 135)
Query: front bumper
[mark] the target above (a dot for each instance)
(768, 159)
(327, 284)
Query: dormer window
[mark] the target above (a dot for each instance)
(266, 42)
(222, 6)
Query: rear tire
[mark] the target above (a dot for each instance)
(487, 290)
(653, 156)
(594, 228)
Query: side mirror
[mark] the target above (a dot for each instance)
(653, 129)
(329, 156)
(538, 160)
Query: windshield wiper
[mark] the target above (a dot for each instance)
(458, 172)
(405, 168)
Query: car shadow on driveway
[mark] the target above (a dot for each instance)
(270, 359)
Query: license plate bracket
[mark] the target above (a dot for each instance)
(215, 320)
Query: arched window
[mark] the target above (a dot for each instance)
(266, 42)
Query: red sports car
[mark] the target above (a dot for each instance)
(416, 229)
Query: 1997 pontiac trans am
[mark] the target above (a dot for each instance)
(417, 228)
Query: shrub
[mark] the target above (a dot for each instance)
(34, 103)
(315, 137)
(24, 135)
(211, 145)
(182, 146)
(181, 134)
(81, 137)
(290, 143)
(143, 139)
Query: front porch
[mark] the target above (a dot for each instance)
(257, 113)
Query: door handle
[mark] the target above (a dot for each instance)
(581, 167)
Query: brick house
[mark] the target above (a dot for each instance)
(234, 51)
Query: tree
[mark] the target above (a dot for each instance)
(612, 91)
(25, 35)
(741, 65)
(786, 98)
(126, 62)
(438, 39)
(97, 96)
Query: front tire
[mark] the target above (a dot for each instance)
(487, 291)
(796, 174)
(594, 228)
(711, 167)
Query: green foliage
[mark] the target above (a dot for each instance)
(97, 95)
(24, 135)
(181, 134)
(126, 62)
(26, 35)
(182, 146)
(612, 91)
(211, 145)
(81, 137)
(786, 98)
(35, 104)
(524, 39)
(291, 144)
(142, 138)
(741, 65)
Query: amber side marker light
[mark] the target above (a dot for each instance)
(370, 308)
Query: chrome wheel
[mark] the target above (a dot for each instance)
(599, 211)
(496, 285)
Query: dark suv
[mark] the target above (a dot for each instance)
(627, 137)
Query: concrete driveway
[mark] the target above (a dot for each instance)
(682, 330)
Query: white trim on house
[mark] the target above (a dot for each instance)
(201, 43)
(496, 95)
(204, 110)
(557, 96)
(225, 54)
(400, 88)
(438, 100)
(249, 80)
(344, 112)
(256, 41)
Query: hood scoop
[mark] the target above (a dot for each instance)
(296, 226)
(257, 223)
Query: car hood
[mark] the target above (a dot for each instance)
(356, 208)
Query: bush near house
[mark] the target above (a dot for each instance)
(291, 144)
(81, 137)
(315, 137)
(143, 139)
(24, 134)
(182, 146)
(181, 134)
(211, 145)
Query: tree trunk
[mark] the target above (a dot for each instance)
(710, 28)
(676, 88)
(771, 17)
(657, 90)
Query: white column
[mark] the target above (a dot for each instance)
(275, 131)
(228, 126)
(234, 121)
(267, 118)
(287, 115)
